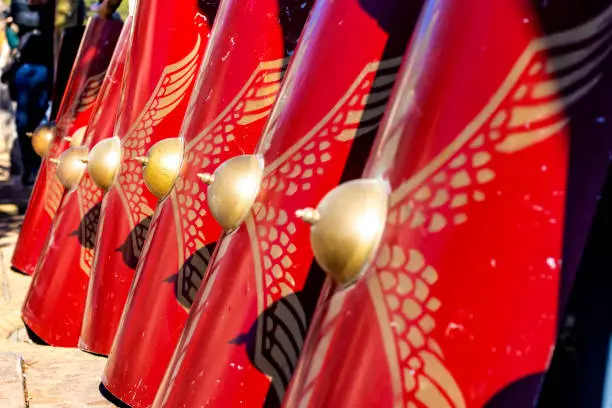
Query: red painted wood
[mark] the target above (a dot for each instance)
(56, 299)
(247, 56)
(248, 322)
(166, 53)
(461, 300)
(84, 84)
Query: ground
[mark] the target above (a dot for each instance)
(31, 375)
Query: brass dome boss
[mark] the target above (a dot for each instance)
(161, 166)
(347, 227)
(233, 188)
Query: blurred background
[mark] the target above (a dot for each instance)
(123, 7)
(18, 165)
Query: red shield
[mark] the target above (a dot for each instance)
(247, 324)
(168, 43)
(79, 99)
(460, 306)
(54, 306)
(244, 64)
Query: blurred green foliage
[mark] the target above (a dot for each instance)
(123, 8)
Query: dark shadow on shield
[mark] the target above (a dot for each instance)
(36, 339)
(209, 8)
(520, 393)
(284, 327)
(580, 364)
(111, 398)
(397, 24)
(286, 321)
(132, 247)
(88, 227)
(187, 281)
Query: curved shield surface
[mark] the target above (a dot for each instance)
(79, 99)
(461, 305)
(247, 324)
(54, 306)
(168, 43)
(251, 43)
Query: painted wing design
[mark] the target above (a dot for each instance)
(528, 109)
(172, 87)
(271, 230)
(321, 338)
(65, 121)
(99, 109)
(90, 92)
(401, 291)
(196, 314)
(85, 100)
(89, 196)
(152, 226)
(293, 173)
(55, 191)
(213, 146)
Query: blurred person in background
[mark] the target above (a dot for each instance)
(9, 40)
(30, 78)
(108, 8)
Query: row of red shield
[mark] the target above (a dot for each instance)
(213, 160)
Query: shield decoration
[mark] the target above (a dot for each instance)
(75, 111)
(460, 305)
(249, 318)
(168, 43)
(245, 62)
(56, 299)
